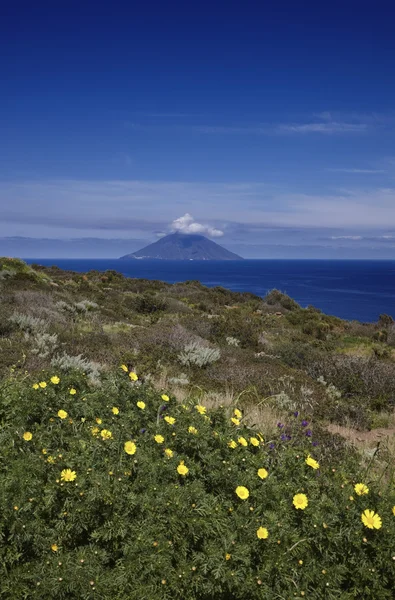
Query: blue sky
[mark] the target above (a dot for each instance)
(271, 123)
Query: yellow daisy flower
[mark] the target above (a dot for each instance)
(169, 453)
(62, 414)
(182, 469)
(192, 429)
(242, 441)
(124, 368)
(393, 510)
(98, 421)
(133, 376)
(262, 473)
(130, 447)
(27, 436)
(115, 410)
(95, 430)
(159, 439)
(170, 420)
(141, 404)
(371, 519)
(68, 475)
(55, 380)
(262, 533)
(54, 548)
(73, 392)
(232, 444)
(237, 413)
(300, 501)
(228, 556)
(312, 463)
(35, 386)
(254, 441)
(201, 409)
(165, 397)
(361, 489)
(42, 384)
(242, 492)
(235, 421)
(106, 434)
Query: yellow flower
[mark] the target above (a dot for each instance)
(182, 469)
(124, 368)
(159, 439)
(68, 475)
(254, 441)
(170, 420)
(98, 421)
(235, 421)
(169, 453)
(54, 548)
(262, 473)
(192, 429)
(141, 404)
(371, 519)
(62, 414)
(165, 397)
(27, 436)
(393, 510)
(73, 392)
(260, 437)
(201, 409)
(130, 447)
(115, 410)
(237, 413)
(242, 492)
(95, 430)
(228, 556)
(312, 463)
(232, 444)
(300, 501)
(42, 384)
(133, 376)
(106, 434)
(55, 380)
(44, 451)
(262, 533)
(242, 441)
(361, 489)
(35, 386)
(51, 460)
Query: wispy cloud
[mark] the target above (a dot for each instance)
(358, 171)
(327, 128)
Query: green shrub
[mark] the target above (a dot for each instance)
(138, 526)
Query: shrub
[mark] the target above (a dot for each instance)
(67, 363)
(84, 516)
(275, 297)
(197, 355)
(28, 323)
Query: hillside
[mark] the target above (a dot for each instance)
(179, 246)
(174, 441)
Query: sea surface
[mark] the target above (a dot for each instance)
(360, 290)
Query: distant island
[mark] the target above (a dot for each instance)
(181, 246)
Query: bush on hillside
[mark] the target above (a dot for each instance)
(120, 492)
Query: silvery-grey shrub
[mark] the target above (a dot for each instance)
(28, 323)
(44, 344)
(232, 341)
(65, 362)
(200, 356)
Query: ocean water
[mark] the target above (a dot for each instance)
(360, 290)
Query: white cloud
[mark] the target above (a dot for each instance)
(346, 237)
(359, 171)
(187, 224)
(329, 127)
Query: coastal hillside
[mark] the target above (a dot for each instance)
(181, 246)
(177, 441)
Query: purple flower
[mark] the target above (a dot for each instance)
(315, 444)
(163, 408)
(143, 430)
(280, 425)
(296, 414)
(309, 433)
(304, 423)
(271, 446)
(284, 437)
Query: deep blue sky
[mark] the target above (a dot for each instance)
(272, 122)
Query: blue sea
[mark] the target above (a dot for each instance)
(360, 290)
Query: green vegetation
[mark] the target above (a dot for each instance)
(247, 394)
